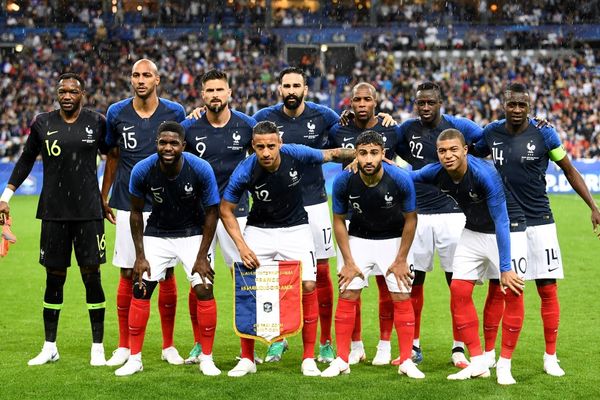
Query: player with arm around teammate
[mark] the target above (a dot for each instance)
(521, 151)
(379, 237)
(70, 207)
(485, 243)
(132, 124)
(181, 227)
(277, 223)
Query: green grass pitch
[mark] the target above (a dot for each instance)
(21, 336)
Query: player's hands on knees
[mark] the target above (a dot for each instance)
(348, 272)
(402, 273)
(353, 166)
(512, 281)
(249, 258)
(108, 212)
(4, 212)
(207, 274)
(386, 119)
(140, 266)
(196, 113)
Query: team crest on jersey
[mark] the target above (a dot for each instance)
(280, 129)
(311, 130)
(236, 141)
(295, 177)
(530, 152)
(473, 196)
(89, 135)
(389, 200)
(188, 189)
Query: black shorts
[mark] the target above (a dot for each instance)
(58, 237)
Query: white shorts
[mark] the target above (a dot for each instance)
(375, 257)
(436, 231)
(163, 253)
(543, 252)
(322, 232)
(124, 255)
(476, 257)
(284, 244)
(228, 249)
(518, 256)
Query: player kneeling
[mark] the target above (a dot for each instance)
(381, 231)
(181, 227)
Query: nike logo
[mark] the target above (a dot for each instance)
(354, 197)
(496, 143)
(200, 138)
(156, 188)
(50, 132)
(126, 128)
(101, 254)
(552, 269)
(258, 187)
(415, 137)
(347, 138)
(327, 248)
(445, 191)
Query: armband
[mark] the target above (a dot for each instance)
(557, 154)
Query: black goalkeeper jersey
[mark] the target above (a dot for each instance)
(70, 190)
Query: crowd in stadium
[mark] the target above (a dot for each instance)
(536, 12)
(566, 89)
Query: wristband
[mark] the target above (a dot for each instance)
(6, 195)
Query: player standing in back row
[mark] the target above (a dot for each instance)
(131, 132)
(521, 152)
(307, 123)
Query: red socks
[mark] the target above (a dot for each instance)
(167, 306)
(492, 314)
(465, 315)
(356, 333)
(207, 324)
(344, 325)
(416, 297)
(138, 319)
(550, 315)
(386, 309)
(325, 297)
(124, 294)
(404, 320)
(192, 306)
(512, 321)
(247, 348)
(310, 309)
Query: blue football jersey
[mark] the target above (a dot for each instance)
(276, 196)
(377, 212)
(177, 207)
(224, 147)
(136, 138)
(417, 146)
(522, 161)
(310, 129)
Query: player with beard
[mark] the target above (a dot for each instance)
(439, 215)
(363, 102)
(378, 239)
(131, 132)
(307, 123)
(222, 137)
(521, 151)
(70, 207)
(181, 227)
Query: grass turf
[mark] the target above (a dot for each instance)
(21, 336)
